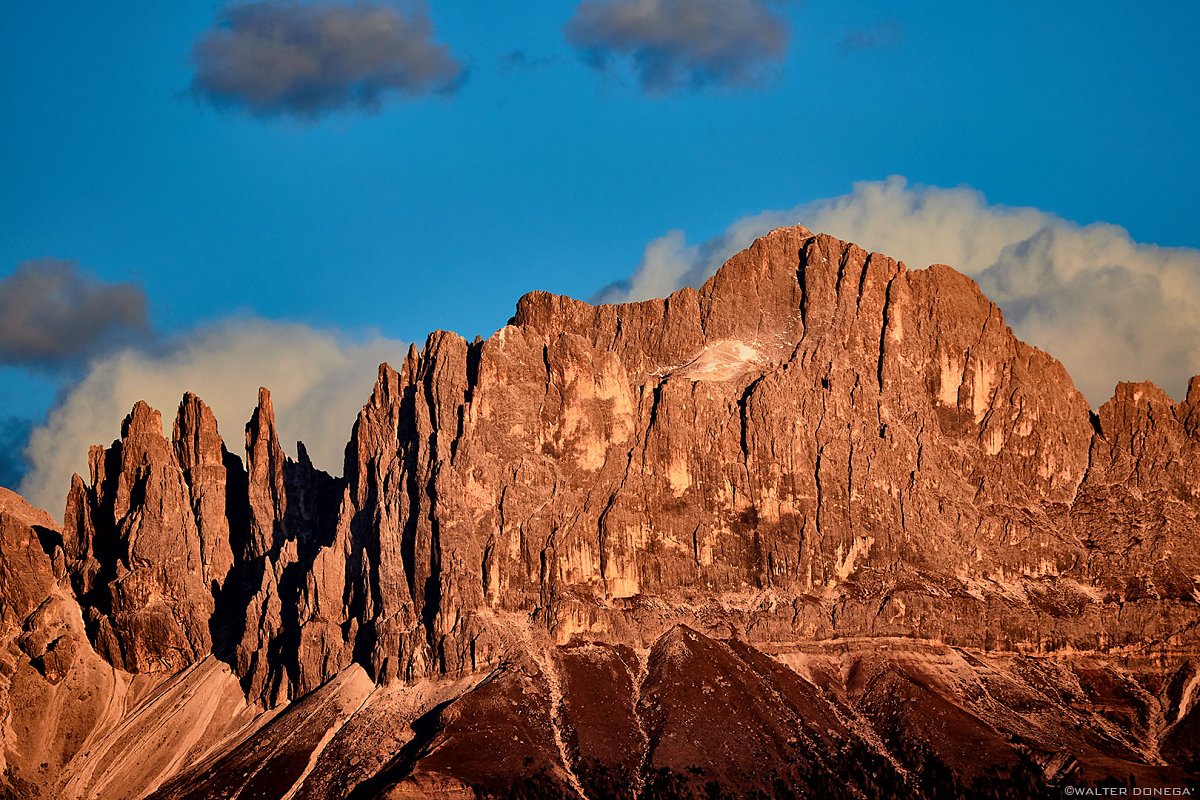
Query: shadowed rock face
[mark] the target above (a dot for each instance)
(823, 527)
(176, 550)
(54, 688)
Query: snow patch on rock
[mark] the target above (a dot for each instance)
(720, 361)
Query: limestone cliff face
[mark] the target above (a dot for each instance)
(831, 444)
(176, 550)
(134, 547)
(816, 451)
(53, 686)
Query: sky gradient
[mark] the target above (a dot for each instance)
(536, 151)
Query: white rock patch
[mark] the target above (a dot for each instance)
(721, 361)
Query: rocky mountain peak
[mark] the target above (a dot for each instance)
(194, 435)
(716, 438)
(265, 463)
(1190, 408)
(16, 506)
(816, 449)
(141, 421)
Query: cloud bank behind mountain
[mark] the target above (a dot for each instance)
(1109, 308)
(319, 380)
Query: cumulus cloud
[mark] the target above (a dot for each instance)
(318, 380)
(1110, 308)
(52, 314)
(682, 43)
(280, 57)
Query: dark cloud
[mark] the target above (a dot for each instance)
(305, 60)
(53, 315)
(14, 433)
(886, 34)
(682, 43)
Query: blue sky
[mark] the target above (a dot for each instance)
(439, 211)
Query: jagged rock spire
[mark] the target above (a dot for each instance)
(264, 464)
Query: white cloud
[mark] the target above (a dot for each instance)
(318, 380)
(1110, 308)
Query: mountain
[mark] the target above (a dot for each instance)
(822, 528)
